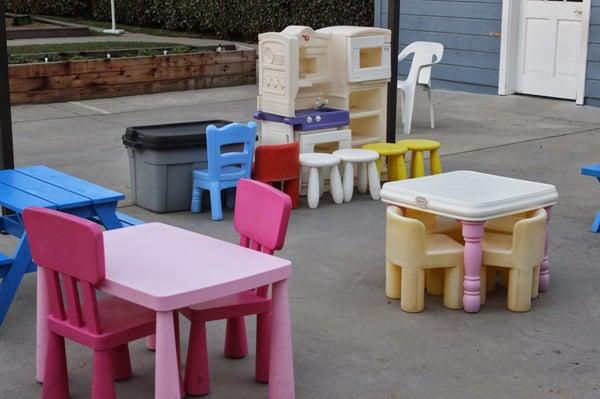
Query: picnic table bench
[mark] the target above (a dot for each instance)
(593, 170)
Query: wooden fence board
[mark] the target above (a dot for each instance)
(67, 81)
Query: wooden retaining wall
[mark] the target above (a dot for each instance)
(78, 80)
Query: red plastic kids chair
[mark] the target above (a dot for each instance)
(280, 164)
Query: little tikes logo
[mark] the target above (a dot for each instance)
(422, 202)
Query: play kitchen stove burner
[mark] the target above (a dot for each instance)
(310, 119)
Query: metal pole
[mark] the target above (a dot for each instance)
(112, 15)
(392, 98)
(113, 30)
(7, 158)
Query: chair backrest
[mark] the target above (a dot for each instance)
(277, 162)
(529, 239)
(425, 53)
(72, 249)
(261, 216)
(405, 239)
(232, 134)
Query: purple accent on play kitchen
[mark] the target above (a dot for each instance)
(310, 119)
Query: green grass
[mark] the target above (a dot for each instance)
(37, 52)
(130, 28)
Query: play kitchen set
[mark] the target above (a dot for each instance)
(324, 86)
(316, 87)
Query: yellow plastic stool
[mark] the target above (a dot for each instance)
(417, 164)
(395, 159)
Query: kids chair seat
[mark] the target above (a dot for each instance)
(314, 162)
(71, 249)
(279, 164)
(410, 252)
(394, 154)
(262, 228)
(522, 254)
(417, 163)
(225, 169)
(367, 172)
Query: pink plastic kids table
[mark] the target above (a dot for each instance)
(165, 268)
(473, 198)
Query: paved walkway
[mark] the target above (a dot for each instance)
(349, 340)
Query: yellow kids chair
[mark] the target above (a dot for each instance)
(410, 251)
(502, 225)
(521, 253)
(434, 280)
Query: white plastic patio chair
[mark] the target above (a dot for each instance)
(426, 54)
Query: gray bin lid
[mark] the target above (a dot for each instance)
(169, 136)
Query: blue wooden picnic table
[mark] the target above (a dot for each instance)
(593, 170)
(42, 186)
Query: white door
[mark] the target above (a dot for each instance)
(551, 34)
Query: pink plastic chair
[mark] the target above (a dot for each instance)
(71, 249)
(261, 217)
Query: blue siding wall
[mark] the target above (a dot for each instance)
(466, 28)
(472, 54)
(592, 84)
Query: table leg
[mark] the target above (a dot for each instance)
(596, 224)
(14, 276)
(545, 266)
(472, 233)
(107, 215)
(167, 377)
(41, 327)
(281, 373)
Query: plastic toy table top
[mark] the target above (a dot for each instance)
(165, 268)
(468, 195)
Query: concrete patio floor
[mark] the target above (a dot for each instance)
(350, 341)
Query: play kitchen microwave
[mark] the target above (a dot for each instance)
(369, 58)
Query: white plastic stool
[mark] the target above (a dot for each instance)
(367, 172)
(314, 161)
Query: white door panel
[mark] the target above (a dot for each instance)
(550, 34)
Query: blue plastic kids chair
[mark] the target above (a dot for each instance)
(224, 168)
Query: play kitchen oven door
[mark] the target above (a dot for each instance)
(369, 59)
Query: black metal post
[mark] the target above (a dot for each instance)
(392, 98)
(7, 159)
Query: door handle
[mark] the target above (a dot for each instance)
(578, 12)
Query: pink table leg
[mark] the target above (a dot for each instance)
(472, 233)
(545, 266)
(167, 378)
(281, 373)
(41, 330)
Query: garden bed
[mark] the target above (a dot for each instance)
(53, 52)
(113, 77)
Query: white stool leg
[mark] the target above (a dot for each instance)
(322, 173)
(374, 184)
(335, 185)
(348, 181)
(362, 177)
(313, 188)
